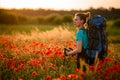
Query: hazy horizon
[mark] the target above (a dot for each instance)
(59, 4)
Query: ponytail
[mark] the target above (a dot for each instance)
(87, 14)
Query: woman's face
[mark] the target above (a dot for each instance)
(77, 21)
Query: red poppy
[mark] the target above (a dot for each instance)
(109, 51)
(20, 79)
(34, 73)
(108, 59)
(48, 77)
(80, 71)
(63, 77)
(1, 56)
(36, 62)
(91, 67)
(21, 66)
(73, 76)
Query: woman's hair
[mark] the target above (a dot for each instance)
(83, 16)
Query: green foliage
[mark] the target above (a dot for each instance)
(53, 19)
(57, 20)
(41, 20)
(67, 18)
(10, 18)
(117, 23)
(42, 16)
(7, 18)
(113, 32)
(22, 19)
(26, 28)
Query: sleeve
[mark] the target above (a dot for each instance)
(79, 35)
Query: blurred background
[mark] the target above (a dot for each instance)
(25, 15)
(54, 12)
(33, 34)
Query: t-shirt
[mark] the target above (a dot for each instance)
(82, 35)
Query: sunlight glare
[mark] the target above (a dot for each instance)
(59, 4)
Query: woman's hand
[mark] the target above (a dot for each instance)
(69, 52)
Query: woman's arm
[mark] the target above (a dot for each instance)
(77, 50)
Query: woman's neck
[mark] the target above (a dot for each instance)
(81, 26)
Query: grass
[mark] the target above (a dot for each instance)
(39, 54)
(9, 29)
(113, 31)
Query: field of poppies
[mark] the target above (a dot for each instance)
(39, 56)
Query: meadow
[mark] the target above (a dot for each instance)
(35, 52)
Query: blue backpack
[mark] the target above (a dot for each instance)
(97, 37)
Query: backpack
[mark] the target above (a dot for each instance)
(97, 37)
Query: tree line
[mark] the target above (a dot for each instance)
(47, 16)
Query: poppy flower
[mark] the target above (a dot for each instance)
(48, 77)
(34, 73)
(73, 76)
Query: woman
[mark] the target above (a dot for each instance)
(81, 37)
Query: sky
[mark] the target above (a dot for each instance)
(59, 4)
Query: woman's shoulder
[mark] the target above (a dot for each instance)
(80, 31)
